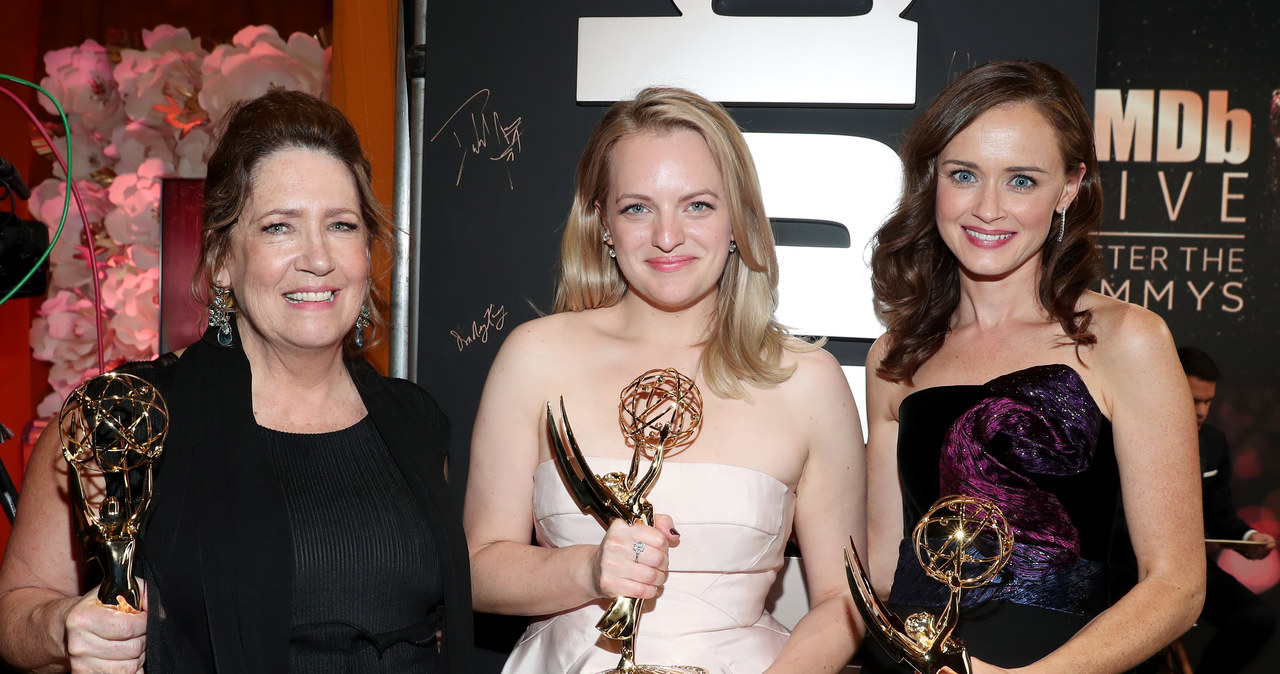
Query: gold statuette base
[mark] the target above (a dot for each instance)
(657, 669)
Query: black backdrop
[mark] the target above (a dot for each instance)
(490, 238)
(490, 234)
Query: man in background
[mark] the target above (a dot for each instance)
(1243, 621)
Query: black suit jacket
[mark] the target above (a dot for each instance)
(217, 549)
(1220, 518)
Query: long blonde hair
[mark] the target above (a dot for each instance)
(744, 342)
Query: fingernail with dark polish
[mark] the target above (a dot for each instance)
(674, 532)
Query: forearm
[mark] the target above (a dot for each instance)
(33, 629)
(1149, 617)
(823, 641)
(517, 579)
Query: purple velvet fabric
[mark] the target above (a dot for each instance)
(1025, 442)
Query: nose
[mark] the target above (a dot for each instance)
(315, 256)
(668, 232)
(988, 208)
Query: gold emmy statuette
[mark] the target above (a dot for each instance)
(659, 411)
(962, 542)
(112, 428)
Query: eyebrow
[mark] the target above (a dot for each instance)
(692, 195)
(297, 212)
(1007, 169)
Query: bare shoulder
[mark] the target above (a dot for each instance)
(814, 367)
(544, 339)
(1134, 355)
(883, 396)
(1127, 333)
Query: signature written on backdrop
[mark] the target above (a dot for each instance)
(493, 318)
(480, 132)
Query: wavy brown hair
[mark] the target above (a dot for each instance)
(744, 342)
(915, 276)
(255, 129)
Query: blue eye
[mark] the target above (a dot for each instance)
(963, 176)
(1023, 182)
(701, 206)
(633, 209)
(275, 228)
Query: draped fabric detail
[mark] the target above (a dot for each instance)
(998, 448)
(1028, 437)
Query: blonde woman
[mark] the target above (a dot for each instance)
(668, 261)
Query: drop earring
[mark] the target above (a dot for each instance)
(733, 246)
(608, 242)
(1062, 228)
(362, 322)
(220, 313)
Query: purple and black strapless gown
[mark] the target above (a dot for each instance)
(1035, 443)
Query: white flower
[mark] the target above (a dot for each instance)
(165, 75)
(192, 154)
(64, 334)
(80, 78)
(137, 200)
(87, 151)
(133, 297)
(257, 61)
(69, 259)
(135, 142)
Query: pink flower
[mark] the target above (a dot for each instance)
(168, 70)
(132, 297)
(69, 258)
(137, 200)
(256, 61)
(64, 335)
(192, 154)
(135, 142)
(87, 151)
(80, 78)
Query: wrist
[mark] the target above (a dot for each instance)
(54, 618)
(587, 576)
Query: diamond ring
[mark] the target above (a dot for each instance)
(638, 546)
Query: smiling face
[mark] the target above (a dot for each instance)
(666, 216)
(1000, 181)
(298, 262)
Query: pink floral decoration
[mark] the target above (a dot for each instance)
(133, 124)
(257, 61)
(81, 79)
(169, 67)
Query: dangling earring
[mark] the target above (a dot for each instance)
(1062, 229)
(362, 322)
(608, 242)
(220, 313)
(733, 246)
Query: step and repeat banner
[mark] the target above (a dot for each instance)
(1188, 118)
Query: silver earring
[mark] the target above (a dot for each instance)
(608, 242)
(733, 246)
(220, 313)
(362, 322)
(613, 253)
(1062, 229)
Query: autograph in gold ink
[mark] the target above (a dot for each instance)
(479, 132)
(494, 317)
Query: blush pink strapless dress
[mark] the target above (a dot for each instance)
(733, 523)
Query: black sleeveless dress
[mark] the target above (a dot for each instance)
(1035, 443)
